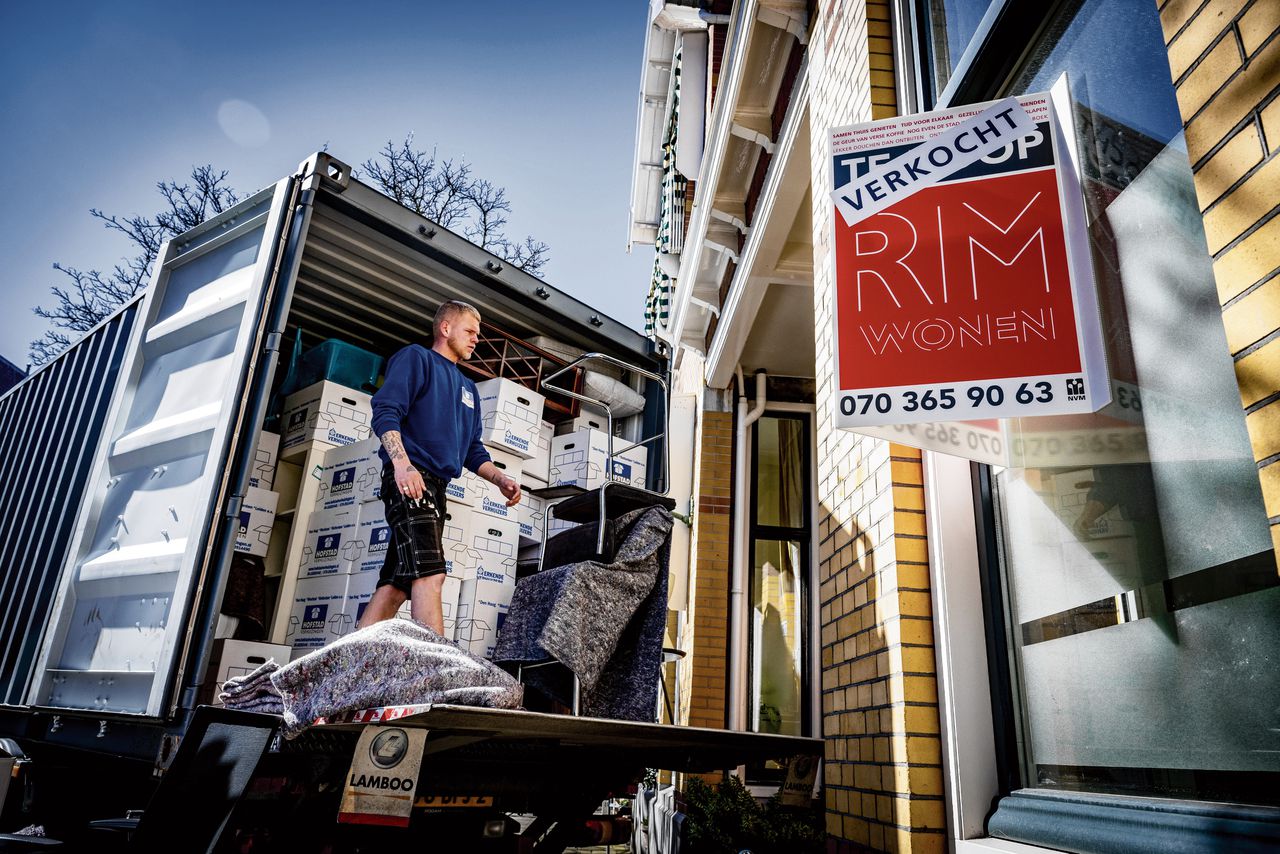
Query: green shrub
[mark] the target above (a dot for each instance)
(727, 819)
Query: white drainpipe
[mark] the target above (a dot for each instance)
(742, 547)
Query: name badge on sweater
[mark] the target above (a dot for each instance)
(468, 399)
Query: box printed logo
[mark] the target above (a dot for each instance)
(244, 524)
(379, 539)
(343, 481)
(327, 546)
(298, 419)
(314, 617)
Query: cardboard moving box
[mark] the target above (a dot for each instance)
(331, 546)
(265, 455)
(257, 520)
(319, 614)
(491, 499)
(538, 466)
(496, 542)
(466, 489)
(533, 511)
(325, 412)
(352, 475)
(483, 605)
(512, 416)
(580, 459)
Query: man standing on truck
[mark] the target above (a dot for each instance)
(427, 415)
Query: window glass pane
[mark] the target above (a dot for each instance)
(780, 460)
(952, 24)
(777, 626)
(1139, 566)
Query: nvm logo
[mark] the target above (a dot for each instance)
(1075, 388)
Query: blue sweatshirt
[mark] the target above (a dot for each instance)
(436, 410)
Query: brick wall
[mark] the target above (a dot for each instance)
(1223, 56)
(884, 97)
(705, 668)
(883, 771)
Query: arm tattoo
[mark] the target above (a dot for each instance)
(395, 448)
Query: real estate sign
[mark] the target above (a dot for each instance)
(963, 284)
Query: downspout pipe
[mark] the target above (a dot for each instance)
(738, 637)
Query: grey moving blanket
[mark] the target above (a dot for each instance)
(392, 663)
(603, 621)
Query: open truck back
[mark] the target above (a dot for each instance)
(126, 460)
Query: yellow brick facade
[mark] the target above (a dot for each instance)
(705, 668)
(1223, 56)
(883, 770)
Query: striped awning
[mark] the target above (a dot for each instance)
(657, 307)
(670, 239)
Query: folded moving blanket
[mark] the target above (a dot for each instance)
(251, 683)
(603, 621)
(391, 663)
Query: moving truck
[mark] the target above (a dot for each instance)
(125, 466)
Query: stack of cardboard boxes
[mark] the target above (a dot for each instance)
(347, 534)
(580, 457)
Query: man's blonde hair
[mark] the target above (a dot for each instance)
(449, 310)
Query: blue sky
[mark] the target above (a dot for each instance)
(102, 100)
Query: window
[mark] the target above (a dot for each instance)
(780, 559)
(948, 27)
(1138, 569)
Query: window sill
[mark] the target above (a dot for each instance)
(1087, 822)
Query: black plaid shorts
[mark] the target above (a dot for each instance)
(417, 531)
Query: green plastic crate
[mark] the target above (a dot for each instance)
(339, 362)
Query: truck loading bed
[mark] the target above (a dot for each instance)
(674, 748)
(481, 767)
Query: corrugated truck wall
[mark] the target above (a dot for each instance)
(50, 425)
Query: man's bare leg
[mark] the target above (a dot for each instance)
(425, 604)
(386, 600)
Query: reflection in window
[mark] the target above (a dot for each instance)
(1139, 567)
(776, 643)
(780, 461)
(951, 26)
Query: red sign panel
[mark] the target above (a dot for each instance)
(967, 294)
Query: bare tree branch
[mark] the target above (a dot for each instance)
(446, 192)
(530, 255)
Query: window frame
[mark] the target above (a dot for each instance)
(756, 774)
